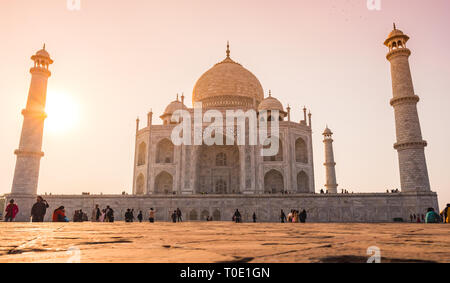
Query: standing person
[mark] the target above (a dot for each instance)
(174, 216)
(282, 216)
(254, 217)
(39, 209)
(237, 216)
(151, 215)
(127, 215)
(432, 216)
(140, 217)
(95, 217)
(445, 214)
(289, 217)
(102, 216)
(109, 214)
(132, 215)
(81, 215)
(11, 211)
(303, 216)
(59, 215)
(179, 216)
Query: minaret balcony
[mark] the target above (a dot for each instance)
(409, 145)
(40, 71)
(19, 152)
(34, 114)
(402, 51)
(413, 99)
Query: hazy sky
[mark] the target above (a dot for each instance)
(114, 60)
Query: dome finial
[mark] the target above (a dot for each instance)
(44, 46)
(177, 96)
(395, 27)
(270, 93)
(228, 49)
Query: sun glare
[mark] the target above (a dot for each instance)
(63, 112)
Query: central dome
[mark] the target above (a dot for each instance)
(228, 84)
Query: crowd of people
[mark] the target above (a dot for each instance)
(343, 191)
(39, 210)
(295, 216)
(129, 215)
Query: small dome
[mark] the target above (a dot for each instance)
(174, 106)
(43, 53)
(42, 57)
(270, 103)
(395, 32)
(327, 132)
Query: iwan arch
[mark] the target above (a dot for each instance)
(205, 180)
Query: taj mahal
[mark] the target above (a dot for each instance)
(214, 180)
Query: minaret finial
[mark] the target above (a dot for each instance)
(44, 46)
(395, 27)
(270, 93)
(228, 49)
(177, 96)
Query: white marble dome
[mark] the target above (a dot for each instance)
(228, 84)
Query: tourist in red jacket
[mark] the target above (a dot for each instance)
(59, 215)
(11, 211)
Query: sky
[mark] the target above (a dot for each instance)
(116, 60)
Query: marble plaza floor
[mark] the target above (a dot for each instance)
(221, 242)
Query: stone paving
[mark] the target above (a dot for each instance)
(205, 242)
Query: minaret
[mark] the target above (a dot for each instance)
(330, 165)
(410, 145)
(29, 154)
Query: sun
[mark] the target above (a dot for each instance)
(62, 112)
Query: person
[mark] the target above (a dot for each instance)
(254, 217)
(76, 216)
(289, 217)
(95, 217)
(282, 216)
(84, 217)
(295, 216)
(80, 215)
(411, 217)
(445, 214)
(109, 214)
(432, 216)
(151, 215)
(179, 216)
(11, 211)
(132, 215)
(237, 216)
(174, 216)
(39, 209)
(303, 216)
(102, 216)
(140, 217)
(59, 215)
(127, 215)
